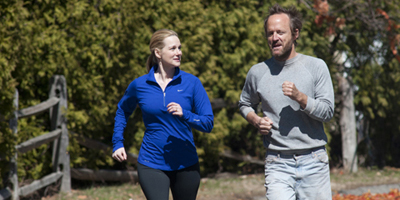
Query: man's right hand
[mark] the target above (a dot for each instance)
(120, 154)
(264, 125)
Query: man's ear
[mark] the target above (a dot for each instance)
(296, 34)
(157, 52)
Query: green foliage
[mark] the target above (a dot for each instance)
(371, 66)
(7, 86)
(100, 47)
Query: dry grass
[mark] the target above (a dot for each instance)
(230, 186)
(364, 177)
(225, 187)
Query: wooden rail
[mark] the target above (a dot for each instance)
(131, 176)
(37, 141)
(240, 157)
(56, 105)
(94, 144)
(59, 132)
(37, 109)
(37, 184)
(104, 175)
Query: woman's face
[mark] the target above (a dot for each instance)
(170, 55)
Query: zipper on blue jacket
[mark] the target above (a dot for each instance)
(164, 99)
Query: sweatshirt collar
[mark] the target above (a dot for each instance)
(150, 75)
(290, 61)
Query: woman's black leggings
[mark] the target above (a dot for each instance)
(155, 183)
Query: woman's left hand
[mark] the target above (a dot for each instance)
(175, 109)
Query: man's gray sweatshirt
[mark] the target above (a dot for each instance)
(293, 128)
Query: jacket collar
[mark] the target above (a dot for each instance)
(150, 75)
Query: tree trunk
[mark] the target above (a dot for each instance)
(348, 126)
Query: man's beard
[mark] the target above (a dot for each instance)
(285, 54)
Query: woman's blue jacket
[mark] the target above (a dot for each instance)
(168, 140)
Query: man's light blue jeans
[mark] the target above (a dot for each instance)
(304, 176)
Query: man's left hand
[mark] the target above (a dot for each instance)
(289, 89)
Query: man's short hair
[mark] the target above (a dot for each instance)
(293, 14)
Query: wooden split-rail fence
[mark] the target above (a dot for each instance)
(59, 136)
(57, 106)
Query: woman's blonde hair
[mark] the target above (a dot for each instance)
(157, 42)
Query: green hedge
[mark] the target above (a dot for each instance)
(101, 46)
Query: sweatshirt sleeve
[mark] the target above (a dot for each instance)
(321, 107)
(126, 106)
(202, 118)
(249, 98)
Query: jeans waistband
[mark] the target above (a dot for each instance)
(291, 153)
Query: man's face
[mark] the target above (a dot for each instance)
(280, 40)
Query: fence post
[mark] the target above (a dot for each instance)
(14, 129)
(58, 116)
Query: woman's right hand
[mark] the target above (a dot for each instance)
(120, 154)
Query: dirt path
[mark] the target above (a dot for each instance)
(229, 186)
(374, 189)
